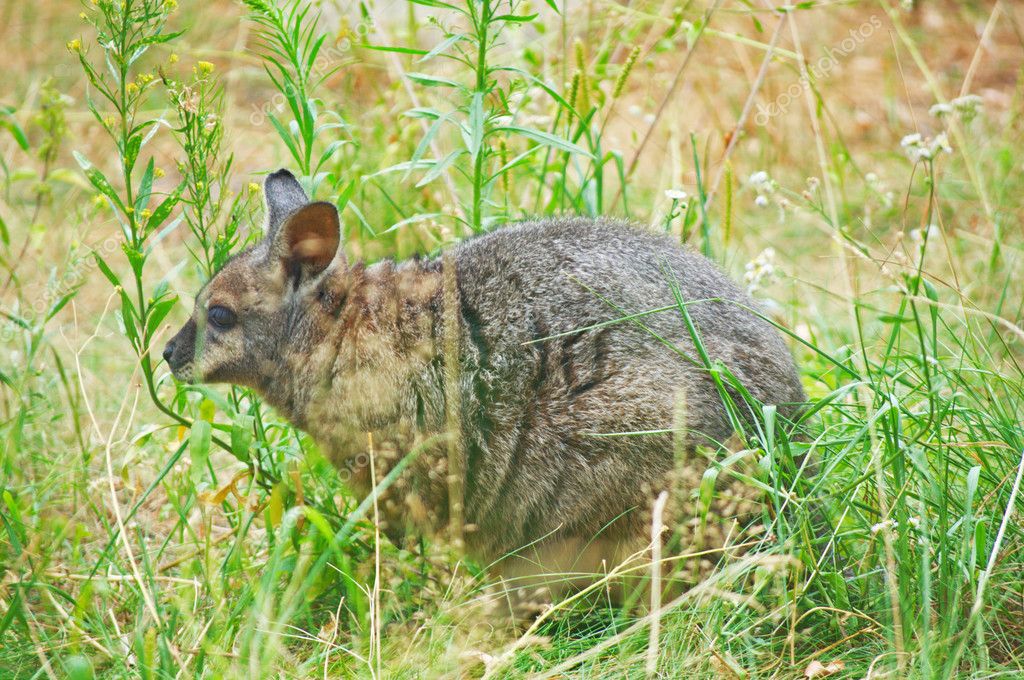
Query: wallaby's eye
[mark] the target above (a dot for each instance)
(221, 318)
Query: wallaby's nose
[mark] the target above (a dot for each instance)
(168, 352)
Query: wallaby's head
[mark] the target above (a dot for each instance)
(256, 322)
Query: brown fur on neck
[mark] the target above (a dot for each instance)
(377, 335)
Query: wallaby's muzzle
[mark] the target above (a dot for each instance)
(180, 352)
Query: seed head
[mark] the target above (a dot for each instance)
(620, 82)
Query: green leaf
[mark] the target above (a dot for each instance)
(241, 437)
(515, 18)
(107, 271)
(322, 526)
(440, 167)
(158, 311)
(160, 39)
(424, 144)
(128, 315)
(19, 321)
(346, 195)
(207, 410)
(199, 450)
(79, 668)
(423, 112)
(145, 188)
(136, 258)
(981, 543)
(331, 149)
(60, 304)
(476, 124)
(546, 139)
(286, 137)
(11, 125)
(542, 85)
(410, 220)
(131, 151)
(442, 47)
(514, 162)
(313, 51)
(162, 211)
(399, 50)
(98, 180)
(404, 165)
(438, 4)
(431, 81)
(707, 491)
(15, 514)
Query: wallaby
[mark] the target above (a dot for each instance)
(557, 350)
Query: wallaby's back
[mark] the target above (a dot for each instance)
(566, 415)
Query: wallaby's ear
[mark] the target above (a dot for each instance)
(308, 239)
(283, 195)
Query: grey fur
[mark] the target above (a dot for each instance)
(548, 380)
(283, 195)
(539, 466)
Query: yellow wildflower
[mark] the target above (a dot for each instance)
(74, 45)
(344, 30)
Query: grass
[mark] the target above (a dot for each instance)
(158, 530)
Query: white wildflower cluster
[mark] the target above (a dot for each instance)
(886, 524)
(876, 185)
(891, 524)
(530, 107)
(764, 185)
(760, 271)
(680, 204)
(919, 236)
(920, 148)
(677, 196)
(967, 108)
(640, 112)
(811, 190)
